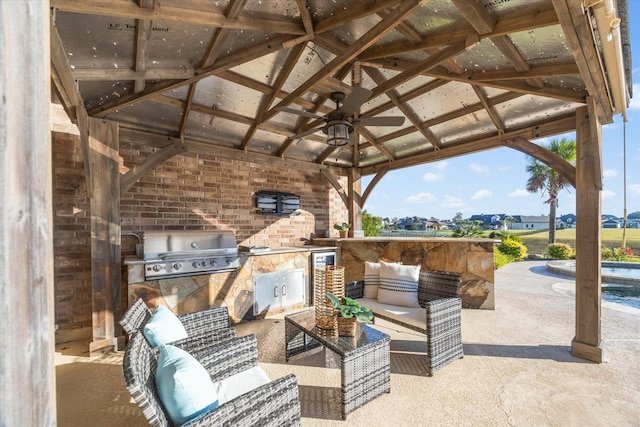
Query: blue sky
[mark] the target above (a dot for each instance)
(494, 181)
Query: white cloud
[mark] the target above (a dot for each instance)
(452, 202)
(504, 168)
(609, 173)
(421, 198)
(441, 165)
(635, 101)
(634, 190)
(478, 168)
(432, 177)
(482, 194)
(520, 192)
(608, 195)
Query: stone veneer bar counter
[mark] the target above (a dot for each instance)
(472, 258)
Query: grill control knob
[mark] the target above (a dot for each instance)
(157, 267)
(196, 264)
(177, 266)
(213, 263)
(228, 261)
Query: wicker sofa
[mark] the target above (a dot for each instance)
(438, 317)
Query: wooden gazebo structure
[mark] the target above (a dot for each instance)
(253, 81)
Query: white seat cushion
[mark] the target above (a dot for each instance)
(241, 383)
(413, 316)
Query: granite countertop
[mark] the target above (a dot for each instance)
(288, 249)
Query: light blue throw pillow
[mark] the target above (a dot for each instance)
(184, 386)
(163, 327)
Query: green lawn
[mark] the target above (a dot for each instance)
(611, 238)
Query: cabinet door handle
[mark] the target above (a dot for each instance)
(284, 290)
(275, 292)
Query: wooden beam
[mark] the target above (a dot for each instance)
(354, 207)
(579, 35)
(555, 162)
(366, 40)
(337, 186)
(587, 342)
(168, 12)
(372, 184)
(423, 66)
(226, 63)
(513, 24)
(28, 386)
(540, 130)
(193, 145)
(106, 270)
(115, 74)
(138, 171)
(534, 72)
(143, 42)
(352, 13)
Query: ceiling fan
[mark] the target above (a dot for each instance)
(340, 122)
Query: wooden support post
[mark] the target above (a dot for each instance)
(27, 325)
(354, 209)
(105, 236)
(586, 343)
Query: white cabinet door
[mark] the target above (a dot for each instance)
(276, 290)
(293, 290)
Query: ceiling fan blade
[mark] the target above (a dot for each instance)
(306, 132)
(300, 112)
(356, 98)
(380, 121)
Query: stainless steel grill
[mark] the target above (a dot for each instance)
(188, 253)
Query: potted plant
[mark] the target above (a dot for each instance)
(349, 312)
(342, 229)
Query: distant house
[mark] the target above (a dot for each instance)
(492, 221)
(566, 221)
(522, 222)
(611, 223)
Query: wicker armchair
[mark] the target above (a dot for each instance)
(273, 404)
(438, 295)
(213, 322)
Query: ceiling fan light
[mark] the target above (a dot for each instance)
(338, 134)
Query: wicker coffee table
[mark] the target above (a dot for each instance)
(364, 360)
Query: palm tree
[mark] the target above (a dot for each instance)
(543, 178)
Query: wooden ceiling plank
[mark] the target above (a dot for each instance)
(230, 61)
(378, 31)
(208, 18)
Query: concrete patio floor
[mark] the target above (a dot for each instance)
(517, 369)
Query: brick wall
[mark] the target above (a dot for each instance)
(187, 192)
